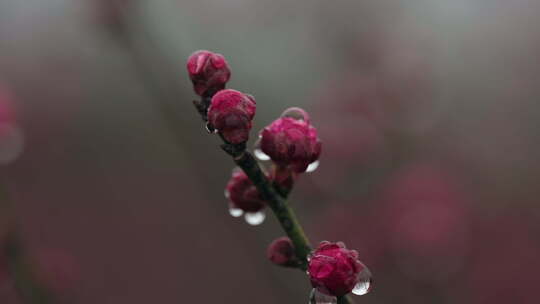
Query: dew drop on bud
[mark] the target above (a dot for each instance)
(364, 284)
(260, 155)
(296, 113)
(313, 166)
(255, 218)
(235, 212)
(316, 297)
(257, 151)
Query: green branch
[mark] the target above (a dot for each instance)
(277, 203)
(283, 212)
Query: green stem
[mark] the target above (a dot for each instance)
(345, 300)
(284, 213)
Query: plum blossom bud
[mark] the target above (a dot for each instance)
(334, 270)
(281, 252)
(231, 113)
(242, 194)
(291, 142)
(208, 71)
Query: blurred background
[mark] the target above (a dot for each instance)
(428, 112)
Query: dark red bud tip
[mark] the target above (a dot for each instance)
(281, 252)
(333, 269)
(242, 194)
(208, 71)
(291, 141)
(231, 113)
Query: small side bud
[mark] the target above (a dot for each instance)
(242, 194)
(281, 252)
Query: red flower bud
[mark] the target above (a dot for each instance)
(208, 71)
(281, 252)
(335, 270)
(242, 194)
(291, 142)
(230, 113)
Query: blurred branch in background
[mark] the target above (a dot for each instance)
(21, 267)
(412, 98)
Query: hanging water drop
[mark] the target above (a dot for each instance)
(235, 212)
(316, 297)
(296, 113)
(255, 218)
(364, 284)
(257, 151)
(260, 155)
(313, 166)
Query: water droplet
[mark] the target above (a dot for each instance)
(364, 284)
(255, 218)
(210, 129)
(296, 113)
(313, 166)
(11, 143)
(316, 297)
(235, 212)
(260, 155)
(227, 194)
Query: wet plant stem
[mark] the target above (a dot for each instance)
(277, 203)
(284, 213)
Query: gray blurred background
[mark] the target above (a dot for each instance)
(428, 112)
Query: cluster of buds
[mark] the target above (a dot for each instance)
(291, 142)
